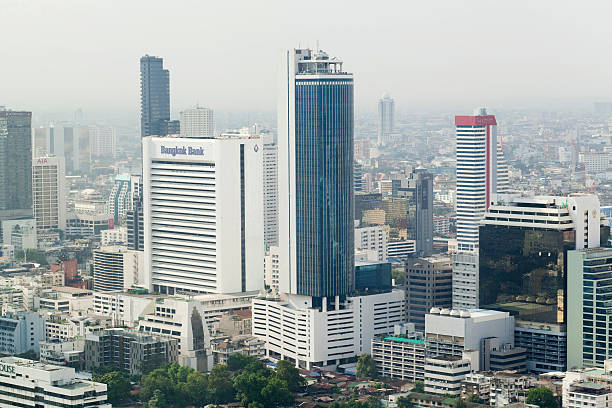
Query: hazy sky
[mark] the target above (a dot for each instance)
(225, 54)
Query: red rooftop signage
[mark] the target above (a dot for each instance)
(475, 120)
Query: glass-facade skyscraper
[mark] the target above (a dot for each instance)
(315, 148)
(154, 96)
(15, 163)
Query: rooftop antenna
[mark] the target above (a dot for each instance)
(318, 49)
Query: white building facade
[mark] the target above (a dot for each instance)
(270, 187)
(372, 238)
(309, 336)
(203, 207)
(49, 193)
(198, 122)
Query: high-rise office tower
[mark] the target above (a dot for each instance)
(15, 163)
(154, 96)
(428, 284)
(524, 245)
(49, 193)
(198, 122)
(315, 144)
(419, 220)
(386, 120)
(589, 282)
(270, 181)
(317, 318)
(478, 174)
(203, 214)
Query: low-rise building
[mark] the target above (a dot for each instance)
(132, 351)
(63, 352)
(444, 374)
(21, 332)
(400, 356)
(245, 345)
(588, 394)
(24, 382)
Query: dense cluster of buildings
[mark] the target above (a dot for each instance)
(305, 245)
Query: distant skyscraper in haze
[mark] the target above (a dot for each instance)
(386, 118)
(15, 163)
(198, 122)
(154, 96)
(315, 147)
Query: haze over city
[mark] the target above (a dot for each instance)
(430, 54)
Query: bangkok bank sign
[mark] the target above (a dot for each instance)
(183, 151)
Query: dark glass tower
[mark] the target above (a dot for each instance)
(420, 213)
(15, 163)
(316, 193)
(154, 96)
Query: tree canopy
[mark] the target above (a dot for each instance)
(542, 397)
(366, 367)
(118, 386)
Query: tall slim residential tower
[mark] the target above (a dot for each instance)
(15, 163)
(270, 187)
(386, 112)
(315, 145)
(154, 96)
(198, 122)
(478, 174)
(49, 193)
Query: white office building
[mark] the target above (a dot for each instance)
(272, 269)
(116, 268)
(372, 238)
(477, 331)
(204, 214)
(115, 236)
(24, 382)
(49, 193)
(293, 329)
(198, 122)
(103, 141)
(270, 190)
(21, 234)
(401, 248)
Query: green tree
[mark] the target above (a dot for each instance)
(32, 255)
(276, 393)
(237, 361)
(248, 387)
(459, 403)
(404, 402)
(476, 399)
(156, 380)
(373, 402)
(118, 386)
(220, 385)
(366, 367)
(419, 387)
(287, 372)
(542, 397)
(157, 401)
(399, 274)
